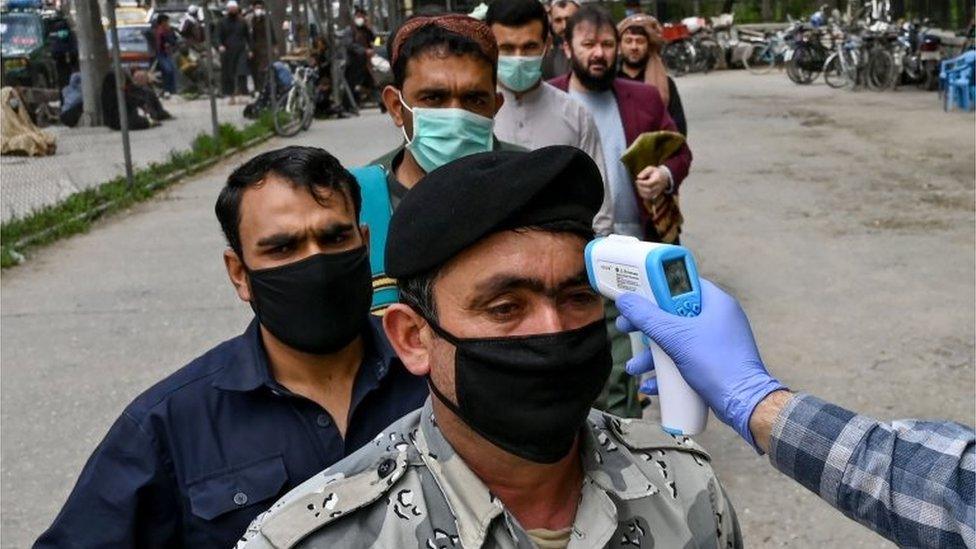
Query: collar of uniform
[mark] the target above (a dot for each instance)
(610, 465)
(473, 506)
(249, 368)
(605, 464)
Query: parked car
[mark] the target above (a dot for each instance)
(37, 46)
(135, 48)
(130, 15)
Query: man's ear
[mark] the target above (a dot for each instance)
(499, 101)
(393, 105)
(567, 50)
(405, 330)
(237, 274)
(364, 231)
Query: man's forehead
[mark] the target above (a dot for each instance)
(586, 29)
(527, 253)
(566, 11)
(275, 196)
(438, 67)
(531, 30)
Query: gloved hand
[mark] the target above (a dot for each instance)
(714, 351)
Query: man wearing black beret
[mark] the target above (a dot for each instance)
(497, 314)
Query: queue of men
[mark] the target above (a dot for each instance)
(460, 413)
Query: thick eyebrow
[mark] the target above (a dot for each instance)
(278, 239)
(283, 239)
(501, 283)
(335, 229)
(479, 94)
(433, 90)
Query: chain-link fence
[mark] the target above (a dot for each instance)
(953, 14)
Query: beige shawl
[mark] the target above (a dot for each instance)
(19, 135)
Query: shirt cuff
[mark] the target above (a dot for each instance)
(670, 189)
(812, 442)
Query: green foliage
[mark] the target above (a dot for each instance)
(76, 213)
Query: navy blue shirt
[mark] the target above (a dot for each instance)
(195, 458)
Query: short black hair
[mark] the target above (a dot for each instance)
(434, 38)
(517, 13)
(598, 17)
(418, 291)
(309, 167)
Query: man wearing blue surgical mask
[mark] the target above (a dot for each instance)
(535, 114)
(444, 100)
(443, 96)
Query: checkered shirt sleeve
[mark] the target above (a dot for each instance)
(911, 481)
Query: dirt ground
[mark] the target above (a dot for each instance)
(843, 221)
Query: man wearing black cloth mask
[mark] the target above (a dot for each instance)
(194, 459)
(498, 316)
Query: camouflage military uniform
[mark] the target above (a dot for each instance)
(642, 488)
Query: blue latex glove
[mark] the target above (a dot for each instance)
(714, 351)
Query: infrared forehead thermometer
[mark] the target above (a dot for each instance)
(667, 276)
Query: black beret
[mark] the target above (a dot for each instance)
(461, 202)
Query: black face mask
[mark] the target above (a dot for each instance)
(317, 305)
(529, 395)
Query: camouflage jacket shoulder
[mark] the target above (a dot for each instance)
(642, 488)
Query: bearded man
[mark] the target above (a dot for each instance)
(622, 110)
(641, 43)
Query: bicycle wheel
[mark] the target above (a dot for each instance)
(712, 51)
(676, 58)
(308, 109)
(288, 113)
(761, 59)
(834, 73)
(800, 72)
(881, 69)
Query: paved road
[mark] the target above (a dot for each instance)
(88, 157)
(843, 221)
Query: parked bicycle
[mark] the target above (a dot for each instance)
(767, 52)
(805, 61)
(294, 107)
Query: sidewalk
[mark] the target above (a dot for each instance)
(87, 157)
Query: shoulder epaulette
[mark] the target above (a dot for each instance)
(305, 514)
(638, 434)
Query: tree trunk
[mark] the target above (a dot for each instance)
(279, 14)
(297, 23)
(93, 59)
(766, 11)
(345, 14)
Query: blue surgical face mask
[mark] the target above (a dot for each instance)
(443, 135)
(519, 73)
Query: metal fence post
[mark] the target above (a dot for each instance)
(210, 71)
(272, 77)
(120, 94)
